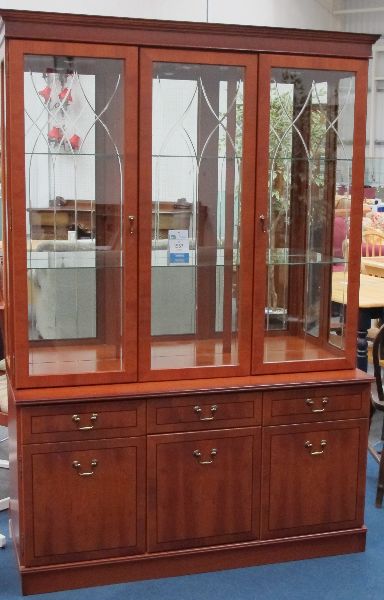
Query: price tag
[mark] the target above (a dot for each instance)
(178, 247)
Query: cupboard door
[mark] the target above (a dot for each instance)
(76, 268)
(310, 184)
(203, 488)
(313, 477)
(197, 160)
(84, 500)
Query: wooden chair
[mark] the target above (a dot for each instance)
(4, 464)
(372, 246)
(378, 364)
(372, 243)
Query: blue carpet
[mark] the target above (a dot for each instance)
(348, 577)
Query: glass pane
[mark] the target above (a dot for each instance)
(74, 191)
(197, 153)
(310, 150)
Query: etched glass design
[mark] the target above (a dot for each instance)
(310, 157)
(196, 198)
(74, 194)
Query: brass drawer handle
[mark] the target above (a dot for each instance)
(197, 455)
(198, 410)
(76, 465)
(311, 402)
(308, 445)
(76, 419)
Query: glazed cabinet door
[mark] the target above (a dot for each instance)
(197, 156)
(203, 488)
(84, 500)
(73, 126)
(313, 478)
(309, 212)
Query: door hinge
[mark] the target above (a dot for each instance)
(22, 544)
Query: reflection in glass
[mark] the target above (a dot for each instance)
(311, 131)
(74, 193)
(197, 153)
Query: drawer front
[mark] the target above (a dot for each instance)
(204, 411)
(314, 404)
(80, 421)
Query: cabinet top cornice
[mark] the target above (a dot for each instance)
(37, 25)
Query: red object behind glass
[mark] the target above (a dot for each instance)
(75, 141)
(46, 93)
(55, 134)
(65, 95)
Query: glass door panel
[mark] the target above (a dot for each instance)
(310, 165)
(197, 148)
(74, 165)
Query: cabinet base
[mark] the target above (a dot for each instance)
(53, 578)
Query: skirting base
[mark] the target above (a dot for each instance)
(52, 578)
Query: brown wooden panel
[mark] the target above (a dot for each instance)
(59, 423)
(204, 411)
(72, 517)
(192, 504)
(314, 404)
(308, 493)
(187, 386)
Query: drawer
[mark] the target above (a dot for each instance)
(82, 420)
(314, 404)
(204, 411)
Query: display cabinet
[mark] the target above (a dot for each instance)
(177, 354)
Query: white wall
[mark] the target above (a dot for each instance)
(193, 10)
(370, 21)
(316, 14)
(311, 14)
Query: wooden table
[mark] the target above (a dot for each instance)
(371, 306)
(373, 266)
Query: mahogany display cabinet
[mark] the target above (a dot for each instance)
(182, 383)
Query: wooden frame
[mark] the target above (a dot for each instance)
(359, 68)
(17, 49)
(147, 57)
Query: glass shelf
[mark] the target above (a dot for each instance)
(61, 267)
(73, 154)
(287, 256)
(200, 157)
